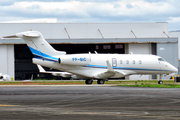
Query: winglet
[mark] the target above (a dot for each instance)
(109, 73)
(40, 69)
(110, 69)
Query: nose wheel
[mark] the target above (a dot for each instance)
(160, 81)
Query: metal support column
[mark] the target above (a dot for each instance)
(100, 33)
(67, 32)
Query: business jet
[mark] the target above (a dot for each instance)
(64, 75)
(93, 66)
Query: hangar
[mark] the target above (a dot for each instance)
(121, 38)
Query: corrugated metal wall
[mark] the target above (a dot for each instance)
(7, 59)
(89, 30)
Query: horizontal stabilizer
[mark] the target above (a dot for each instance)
(25, 34)
(11, 36)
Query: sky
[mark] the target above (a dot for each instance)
(93, 11)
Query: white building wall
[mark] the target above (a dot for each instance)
(88, 30)
(140, 49)
(176, 34)
(7, 59)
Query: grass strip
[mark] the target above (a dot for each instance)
(155, 85)
(130, 83)
(43, 82)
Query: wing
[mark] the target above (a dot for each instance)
(124, 73)
(111, 73)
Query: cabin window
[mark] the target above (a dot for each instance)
(140, 62)
(121, 62)
(133, 61)
(161, 59)
(127, 61)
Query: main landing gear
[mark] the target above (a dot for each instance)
(100, 81)
(90, 81)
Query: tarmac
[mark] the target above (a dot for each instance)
(88, 102)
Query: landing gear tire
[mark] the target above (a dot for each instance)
(160, 82)
(100, 81)
(89, 82)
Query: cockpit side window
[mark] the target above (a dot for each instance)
(161, 59)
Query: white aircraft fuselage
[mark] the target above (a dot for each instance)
(123, 64)
(93, 66)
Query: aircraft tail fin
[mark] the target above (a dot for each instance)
(38, 45)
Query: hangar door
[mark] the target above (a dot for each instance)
(85, 48)
(140, 49)
(170, 53)
(25, 69)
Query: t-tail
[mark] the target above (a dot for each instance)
(39, 47)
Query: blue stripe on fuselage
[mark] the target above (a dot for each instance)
(39, 55)
(123, 68)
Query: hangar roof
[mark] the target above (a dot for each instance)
(96, 41)
(71, 32)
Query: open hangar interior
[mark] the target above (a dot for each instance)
(122, 38)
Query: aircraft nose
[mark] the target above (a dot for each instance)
(174, 69)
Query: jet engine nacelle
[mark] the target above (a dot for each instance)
(74, 59)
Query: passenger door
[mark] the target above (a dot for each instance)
(114, 62)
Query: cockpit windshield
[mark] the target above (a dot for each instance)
(161, 59)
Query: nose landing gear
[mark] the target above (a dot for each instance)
(160, 81)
